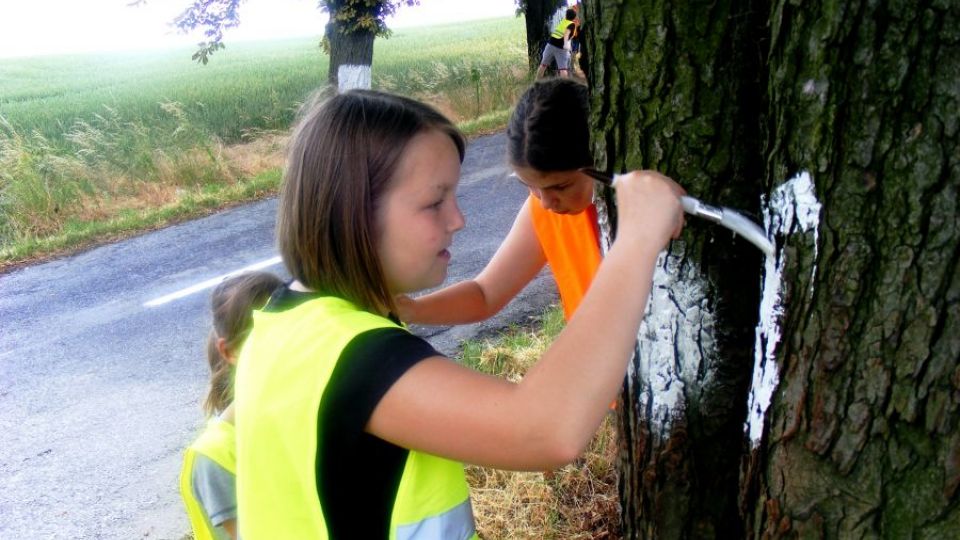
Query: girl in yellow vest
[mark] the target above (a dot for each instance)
(547, 144)
(348, 425)
(207, 480)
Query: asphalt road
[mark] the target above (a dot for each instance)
(99, 393)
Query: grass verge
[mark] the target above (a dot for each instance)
(152, 139)
(579, 501)
(256, 162)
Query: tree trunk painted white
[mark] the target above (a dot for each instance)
(351, 76)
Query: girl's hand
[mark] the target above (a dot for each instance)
(648, 207)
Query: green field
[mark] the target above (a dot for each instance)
(247, 86)
(79, 135)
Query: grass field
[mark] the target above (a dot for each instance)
(92, 145)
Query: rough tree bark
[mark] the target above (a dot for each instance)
(351, 56)
(671, 91)
(732, 99)
(537, 14)
(863, 438)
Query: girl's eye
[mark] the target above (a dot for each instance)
(436, 205)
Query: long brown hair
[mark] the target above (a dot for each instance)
(232, 303)
(342, 159)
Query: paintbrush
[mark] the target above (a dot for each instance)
(726, 217)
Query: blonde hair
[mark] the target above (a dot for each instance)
(232, 304)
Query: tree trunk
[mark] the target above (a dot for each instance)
(670, 91)
(537, 15)
(862, 436)
(732, 99)
(351, 55)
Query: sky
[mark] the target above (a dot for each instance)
(39, 27)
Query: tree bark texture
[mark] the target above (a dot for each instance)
(347, 49)
(731, 99)
(673, 90)
(537, 15)
(862, 435)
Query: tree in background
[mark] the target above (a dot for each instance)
(348, 36)
(827, 405)
(537, 15)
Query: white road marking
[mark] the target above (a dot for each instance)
(213, 282)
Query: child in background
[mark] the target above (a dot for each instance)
(558, 48)
(547, 144)
(350, 426)
(207, 480)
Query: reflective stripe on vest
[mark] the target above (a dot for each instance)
(450, 497)
(285, 365)
(217, 442)
(560, 29)
(572, 248)
(456, 523)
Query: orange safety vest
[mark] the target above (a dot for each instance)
(572, 247)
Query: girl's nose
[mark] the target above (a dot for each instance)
(457, 221)
(548, 201)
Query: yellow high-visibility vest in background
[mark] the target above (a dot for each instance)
(561, 28)
(284, 368)
(217, 442)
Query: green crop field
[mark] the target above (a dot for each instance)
(247, 86)
(86, 140)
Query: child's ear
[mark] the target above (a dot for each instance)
(225, 352)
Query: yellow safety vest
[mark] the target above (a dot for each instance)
(217, 442)
(285, 365)
(561, 28)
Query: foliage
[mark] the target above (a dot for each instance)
(215, 16)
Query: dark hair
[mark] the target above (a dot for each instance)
(232, 303)
(342, 159)
(570, 15)
(548, 129)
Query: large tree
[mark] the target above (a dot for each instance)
(827, 406)
(348, 35)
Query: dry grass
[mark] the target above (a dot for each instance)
(579, 501)
(264, 151)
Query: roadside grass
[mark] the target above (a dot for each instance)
(96, 147)
(578, 501)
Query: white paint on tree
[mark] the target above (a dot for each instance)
(350, 76)
(793, 208)
(675, 338)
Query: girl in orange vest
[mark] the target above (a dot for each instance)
(207, 480)
(547, 144)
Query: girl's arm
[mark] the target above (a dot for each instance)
(567, 36)
(548, 418)
(516, 262)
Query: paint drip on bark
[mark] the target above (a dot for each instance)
(793, 207)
